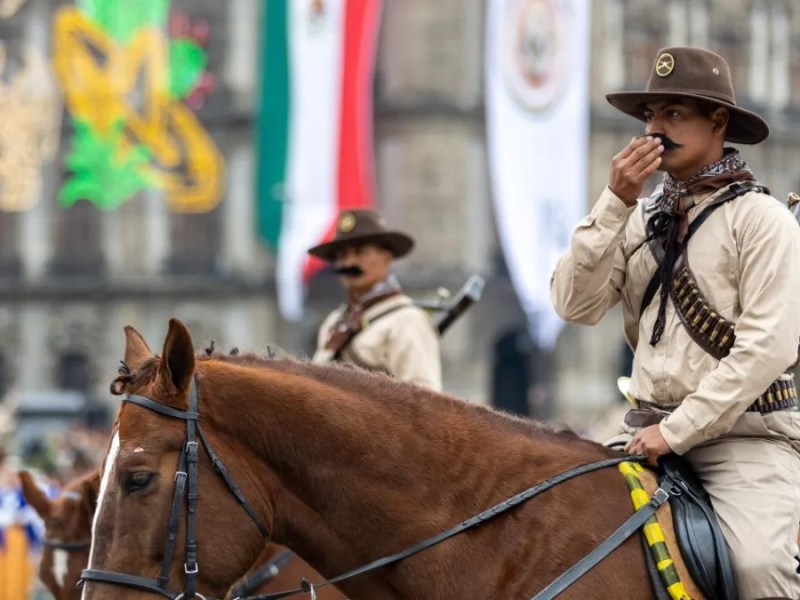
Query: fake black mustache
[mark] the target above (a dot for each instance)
(352, 271)
(666, 141)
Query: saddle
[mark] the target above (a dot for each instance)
(697, 530)
(688, 556)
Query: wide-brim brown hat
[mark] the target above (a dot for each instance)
(363, 226)
(687, 72)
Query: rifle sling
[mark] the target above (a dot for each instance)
(388, 311)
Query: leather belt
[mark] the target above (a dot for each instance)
(780, 395)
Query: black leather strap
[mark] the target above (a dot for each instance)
(219, 467)
(167, 411)
(263, 574)
(191, 568)
(626, 530)
(496, 510)
(141, 583)
(173, 523)
(733, 191)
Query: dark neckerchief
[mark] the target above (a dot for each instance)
(670, 222)
(351, 322)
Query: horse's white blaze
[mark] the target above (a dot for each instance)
(60, 566)
(138, 449)
(111, 460)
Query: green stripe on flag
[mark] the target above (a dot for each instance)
(273, 122)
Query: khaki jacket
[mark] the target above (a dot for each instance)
(402, 343)
(746, 260)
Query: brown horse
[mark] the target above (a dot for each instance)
(68, 530)
(68, 525)
(344, 467)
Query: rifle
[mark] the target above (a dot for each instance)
(446, 309)
(793, 203)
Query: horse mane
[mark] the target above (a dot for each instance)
(361, 382)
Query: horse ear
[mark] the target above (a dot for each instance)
(177, 358)
(136, 349)
(34, 495)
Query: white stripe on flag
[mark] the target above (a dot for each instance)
(315, 48)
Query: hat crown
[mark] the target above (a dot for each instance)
(682, 69)
(359, 222)
(363, 226)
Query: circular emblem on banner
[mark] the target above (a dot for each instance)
(347, 222)
(665, 64)
(536, 51)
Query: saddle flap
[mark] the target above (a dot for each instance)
(700, 539)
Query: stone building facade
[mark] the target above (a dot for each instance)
(70, 279)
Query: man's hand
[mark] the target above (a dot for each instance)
(650, 442)
(633, 166)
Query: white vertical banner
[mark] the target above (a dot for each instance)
(537, 111)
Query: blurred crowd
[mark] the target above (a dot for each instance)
(54, 461)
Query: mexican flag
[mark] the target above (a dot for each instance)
(315, 130)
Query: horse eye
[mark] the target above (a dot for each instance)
(139, 481)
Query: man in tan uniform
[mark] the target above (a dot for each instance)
(379, 328)
(715, 394)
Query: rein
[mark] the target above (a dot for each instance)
(186, 475)
(186, 489)
(628, 528)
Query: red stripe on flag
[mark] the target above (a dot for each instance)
(356, 170)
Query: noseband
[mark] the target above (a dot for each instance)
(185, 492)
(67, 546)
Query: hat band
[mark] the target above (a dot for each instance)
(710, 94)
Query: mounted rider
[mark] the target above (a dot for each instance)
(378, 328)
(708, 273)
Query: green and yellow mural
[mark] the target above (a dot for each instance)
(130, 89)
(31, 110)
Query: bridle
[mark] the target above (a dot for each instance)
(186, 491)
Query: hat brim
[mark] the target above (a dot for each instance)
(744, 127)
(399, 244)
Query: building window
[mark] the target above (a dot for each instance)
(10, 262)
(730, 37)
(4, 382)
(73, 372)
(195, 243)
(795, 74)
(78, 241)
(646, 32)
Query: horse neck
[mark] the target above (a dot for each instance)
(362, 475)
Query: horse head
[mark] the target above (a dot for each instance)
(68, 521)
(149, 518)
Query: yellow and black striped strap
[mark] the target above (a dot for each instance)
(653, 533)
(642, 515)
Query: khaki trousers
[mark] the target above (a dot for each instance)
(752, 475)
